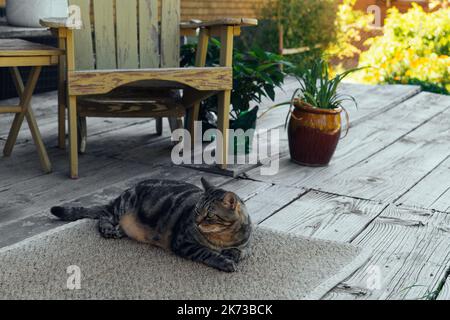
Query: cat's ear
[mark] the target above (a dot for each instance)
(206, 185)
(230, 201)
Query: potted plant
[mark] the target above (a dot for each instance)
(26, 13)
(314, 119)
(256, 74)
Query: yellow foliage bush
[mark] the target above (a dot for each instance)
(415, 49)
(349, 25)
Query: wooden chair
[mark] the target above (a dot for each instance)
(128, 50)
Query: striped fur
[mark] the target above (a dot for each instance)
(211, 226)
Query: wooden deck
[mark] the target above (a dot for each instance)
(387, 188)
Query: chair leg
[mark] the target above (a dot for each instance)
(73, 137)
(43, 156)
(226, 60)
(159, 126)
(82, 134)
(193, 117)
(175, 123)
(61, 117)
(25, 93)
(62, 96)
(180, 124)
(223, 126)
(13, 134)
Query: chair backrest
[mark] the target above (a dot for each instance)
(127, 34)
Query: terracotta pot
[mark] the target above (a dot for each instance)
(313, 134)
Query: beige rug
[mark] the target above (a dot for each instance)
(282, 266)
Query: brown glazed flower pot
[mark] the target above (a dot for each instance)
(313, 134)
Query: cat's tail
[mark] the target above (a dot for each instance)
(78, 213)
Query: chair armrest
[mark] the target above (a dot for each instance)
(55, 23)
(237, 22)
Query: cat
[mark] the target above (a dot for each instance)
(211, 226)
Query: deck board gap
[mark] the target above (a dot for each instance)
(395, 141)
(305, 192)
(369, 223)
(421, 179)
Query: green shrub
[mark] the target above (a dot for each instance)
(306, 23)
(256, 74)
(415, 49)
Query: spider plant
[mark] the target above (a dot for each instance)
(318, 89)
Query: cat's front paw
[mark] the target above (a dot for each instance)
(227, 265)
(233, 254)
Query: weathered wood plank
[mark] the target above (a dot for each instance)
(363, 141)
(84, 47)
(9, 32)
(149, 34)
(136, 143)
(433, 192)
(23, 48)
(35, 61)
(170, 33)
(266, 203)
(105, 39)
(390, 173)
(99, 82)
(326, 216)
(374, 100)
(24, 198)
(127, 34)
(410, 260)
(246, 189)
(244, 22)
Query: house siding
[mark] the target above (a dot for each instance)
(210, 9)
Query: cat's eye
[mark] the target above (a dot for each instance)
(210, 215)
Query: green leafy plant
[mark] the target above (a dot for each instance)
(319, 90)
(256, 74)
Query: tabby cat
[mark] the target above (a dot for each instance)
(211, 226)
